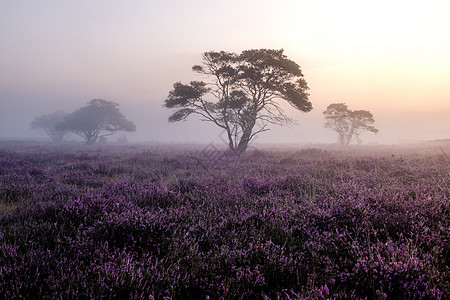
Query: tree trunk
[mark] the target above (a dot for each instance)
(91, 139)
(341, 139)
(230, 140)
(245, 139)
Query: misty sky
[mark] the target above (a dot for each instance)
(389, 57)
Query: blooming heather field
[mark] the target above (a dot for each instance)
(136, 222)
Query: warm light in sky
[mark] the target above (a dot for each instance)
(389, 57)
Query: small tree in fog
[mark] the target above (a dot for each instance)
(51, 123)
(242, 93)
(347, 123)
(99, 118)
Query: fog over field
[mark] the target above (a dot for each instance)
(239, 149)
(390, 58)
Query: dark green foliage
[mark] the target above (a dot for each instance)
(247, 88)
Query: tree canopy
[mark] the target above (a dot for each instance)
(99, 118)
(347, 123)
(51, 123)
(243, 90)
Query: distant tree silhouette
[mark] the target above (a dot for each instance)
(242, 92)
(99, 118)
(347, 123)
(51, 123)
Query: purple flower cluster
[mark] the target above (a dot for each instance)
(312, 224)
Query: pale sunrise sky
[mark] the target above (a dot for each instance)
(389, 57)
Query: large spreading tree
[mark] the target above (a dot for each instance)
(51, 124)
(349, 124)
(99, 118)
(242, 93)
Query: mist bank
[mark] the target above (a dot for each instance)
(434, 147)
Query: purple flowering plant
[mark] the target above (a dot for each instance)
(125, 222)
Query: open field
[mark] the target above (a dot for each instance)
(152, 222)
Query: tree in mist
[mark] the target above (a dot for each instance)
(99, 118)
(241, 93)
(349, 124)
(51, 123)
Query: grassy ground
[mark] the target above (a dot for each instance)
(152, 222)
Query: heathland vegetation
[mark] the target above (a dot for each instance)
(144, 222)
(135, 222)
